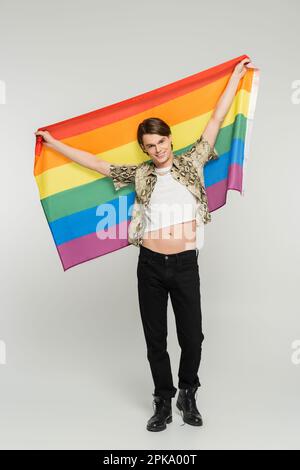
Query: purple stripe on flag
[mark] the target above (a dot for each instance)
(91, 246)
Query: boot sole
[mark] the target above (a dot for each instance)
(161, 428)
(186, 420)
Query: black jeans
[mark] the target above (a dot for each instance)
(177, 274)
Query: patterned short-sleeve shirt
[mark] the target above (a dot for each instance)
(122, 175)
(187, 168)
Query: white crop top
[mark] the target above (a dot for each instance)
(171, 203)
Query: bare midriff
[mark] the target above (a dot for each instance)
(172, 239)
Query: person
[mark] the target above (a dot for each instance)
(167, 238)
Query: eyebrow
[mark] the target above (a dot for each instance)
(148, 145)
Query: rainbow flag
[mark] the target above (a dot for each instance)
(74, 198)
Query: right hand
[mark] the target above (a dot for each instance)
(47, 137)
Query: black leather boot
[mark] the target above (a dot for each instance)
(186, 403)
(162, 415)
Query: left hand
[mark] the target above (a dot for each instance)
(241, 68)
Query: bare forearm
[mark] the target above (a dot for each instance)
(82, 157)
(226, 99)
(78, 156)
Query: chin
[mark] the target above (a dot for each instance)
(167, 157)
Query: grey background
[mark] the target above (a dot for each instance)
(76, 373)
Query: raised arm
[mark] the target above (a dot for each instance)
(212, 128)
(86, 159)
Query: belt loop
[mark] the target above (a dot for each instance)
(197, 252)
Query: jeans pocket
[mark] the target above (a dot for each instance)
(144, 261)
(190, 261)
(143, 268)
(190, 264)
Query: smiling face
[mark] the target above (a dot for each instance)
(159, 149)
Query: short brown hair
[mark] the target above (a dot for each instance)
(152, 125)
